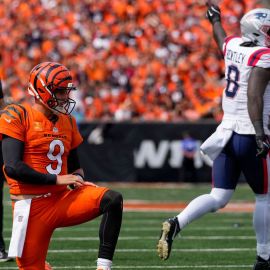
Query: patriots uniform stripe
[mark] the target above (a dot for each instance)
(255, 57)
(265, 174)
(226, 41)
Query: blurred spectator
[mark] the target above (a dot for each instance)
(157, 56)
(189, 146)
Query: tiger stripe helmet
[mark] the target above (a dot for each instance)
(45, 80)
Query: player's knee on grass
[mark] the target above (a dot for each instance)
(111, 201)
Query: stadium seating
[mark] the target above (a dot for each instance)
(131, 59)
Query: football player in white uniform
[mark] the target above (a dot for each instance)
(240, 143)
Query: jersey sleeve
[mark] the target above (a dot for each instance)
(260, 58)
(76, 135)
(12, 122)
(226, 42)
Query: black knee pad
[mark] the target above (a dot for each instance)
(112, 200)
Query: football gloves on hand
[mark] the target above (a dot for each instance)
(213, 14)
(263, 145)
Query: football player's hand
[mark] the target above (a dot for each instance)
(263, 145)
(213, 13)
(71, 179)
(72, 186)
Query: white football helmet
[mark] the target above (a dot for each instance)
(255, 26)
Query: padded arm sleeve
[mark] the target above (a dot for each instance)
(73, 161)
(1, 90)
(15, 168)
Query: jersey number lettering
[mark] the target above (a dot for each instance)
(232, 81)
(55, 153)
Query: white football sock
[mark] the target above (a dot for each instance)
(104, 262)
(204, 204)
(261, 224)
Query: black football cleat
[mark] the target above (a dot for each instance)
(170, 228)
(4, 256)
(261, 264)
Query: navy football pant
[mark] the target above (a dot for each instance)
(239, 155)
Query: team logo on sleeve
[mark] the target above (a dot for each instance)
(37, 126)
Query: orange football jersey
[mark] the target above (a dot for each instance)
(46, 145)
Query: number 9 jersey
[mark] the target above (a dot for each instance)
(239, 61)
(46, 144)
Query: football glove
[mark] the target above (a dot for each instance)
(213, 14)
(263, 145)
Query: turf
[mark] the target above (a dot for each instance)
(216, 241)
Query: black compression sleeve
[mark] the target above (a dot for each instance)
(15, 168)
(73, 161)
(1, 90)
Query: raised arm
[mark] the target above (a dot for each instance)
(2, 102)
(213, 15)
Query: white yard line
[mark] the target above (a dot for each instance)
(134, 238)
(139, 250)
(148, 229)
(149, 267)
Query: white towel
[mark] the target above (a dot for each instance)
(213, 146)
(20, 221)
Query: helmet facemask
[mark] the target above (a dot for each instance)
(265, 29)
(63, 105)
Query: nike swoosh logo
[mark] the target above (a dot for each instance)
(216, 10)
(7, 120)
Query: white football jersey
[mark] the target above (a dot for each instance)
(239, 61)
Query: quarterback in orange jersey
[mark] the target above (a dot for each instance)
(45, 178)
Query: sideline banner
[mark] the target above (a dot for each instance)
(150, 152)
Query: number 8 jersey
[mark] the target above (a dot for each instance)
(239, 61)
(46, 145)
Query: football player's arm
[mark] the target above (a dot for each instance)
(213, 14)
(15, 168)
(2, 102)
(75, 169)
(257, 83)
(74, 166)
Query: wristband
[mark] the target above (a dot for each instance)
(78, 174)
(215, 20)
(72, 186)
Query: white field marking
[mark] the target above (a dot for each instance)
(128, 238)
(175, 207)
(233, 217)
(169, 210)
(139, 250)
(148, 229)
(150, 267)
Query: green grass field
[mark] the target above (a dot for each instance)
(216, 241)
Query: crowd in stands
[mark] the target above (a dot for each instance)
(145, 60)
